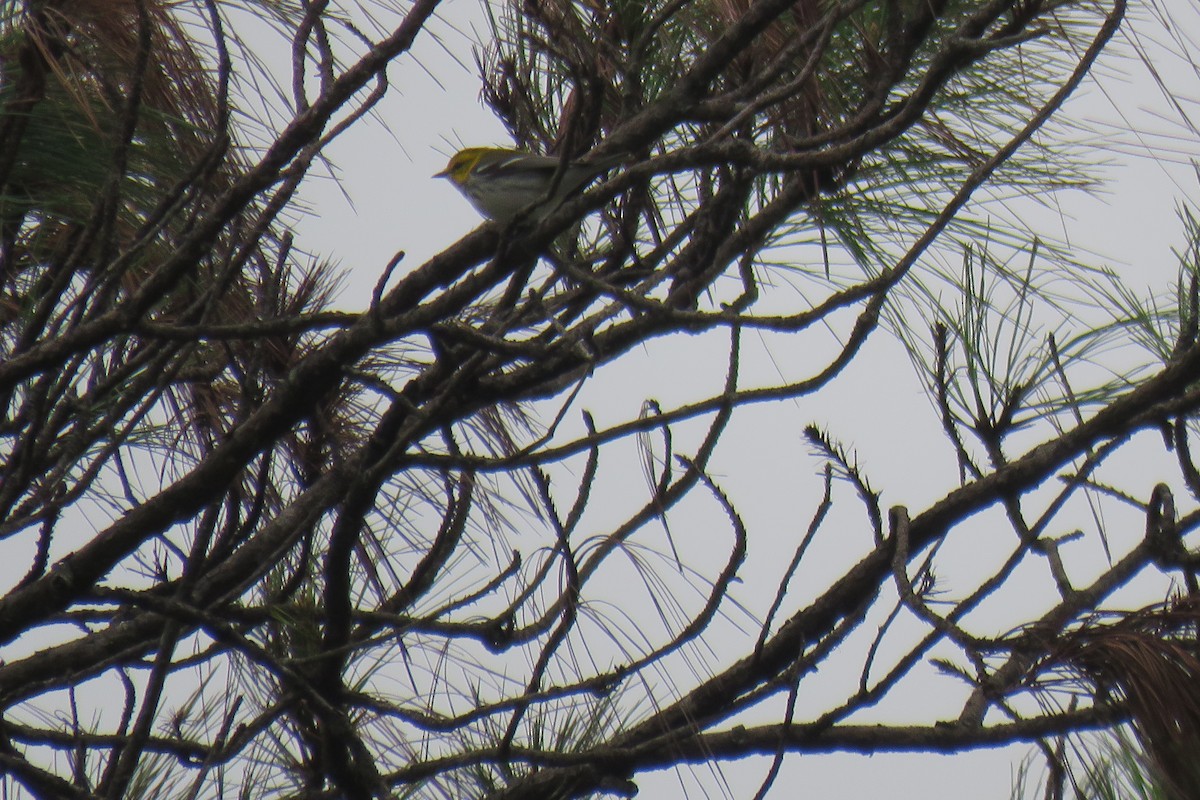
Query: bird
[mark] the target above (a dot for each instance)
(503, 182)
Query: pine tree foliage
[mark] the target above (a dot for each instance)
(259, 545)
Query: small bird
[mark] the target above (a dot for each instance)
(501, 183)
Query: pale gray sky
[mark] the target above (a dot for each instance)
(878, 405)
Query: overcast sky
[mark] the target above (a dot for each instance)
(385, 168)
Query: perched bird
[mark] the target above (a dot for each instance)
(501, 183)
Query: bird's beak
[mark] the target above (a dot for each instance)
(443, 174)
